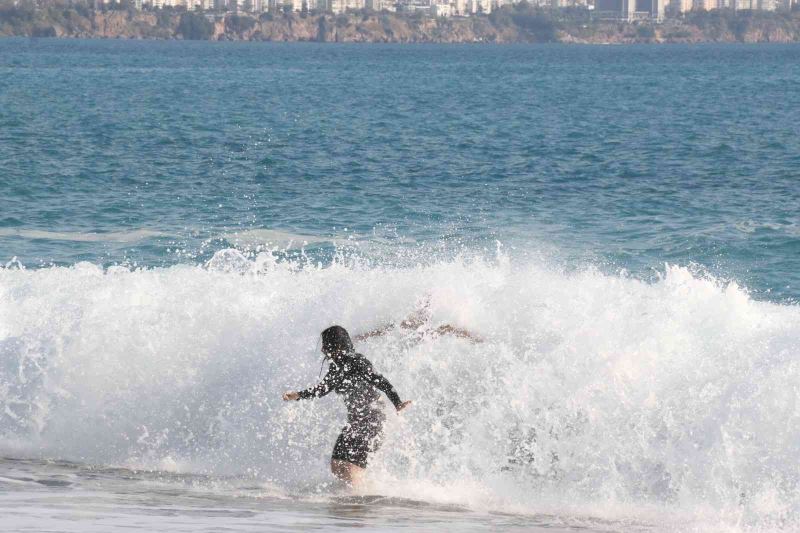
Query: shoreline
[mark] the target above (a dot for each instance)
(508, 25)
(409, 43)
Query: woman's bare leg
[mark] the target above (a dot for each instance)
(346, 471)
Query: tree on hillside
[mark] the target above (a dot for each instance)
(195, 26)
(536, 22)
(239, 23)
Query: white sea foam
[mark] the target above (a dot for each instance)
(76, 236)
(675, 400)
(284, 240)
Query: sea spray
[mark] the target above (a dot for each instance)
(588, 389)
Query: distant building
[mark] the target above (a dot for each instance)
(708, 5)
(608, 7)
(631, 9)
(657, 9)
(341, 6)
(380, 5)
(441, 10)
(475, 7)
(682, 6)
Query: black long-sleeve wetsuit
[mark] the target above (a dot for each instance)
(352, 376)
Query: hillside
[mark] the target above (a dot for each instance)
(521, 23)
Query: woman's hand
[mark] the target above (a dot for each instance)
(288, 396)
(403, 405)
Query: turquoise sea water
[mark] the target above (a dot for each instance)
(628, 157)
(618, 226)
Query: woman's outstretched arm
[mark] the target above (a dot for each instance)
(320, 389)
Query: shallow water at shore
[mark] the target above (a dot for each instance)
(63, 496)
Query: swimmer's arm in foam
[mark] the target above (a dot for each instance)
(412, 322)
(383, 330)
(447, 329)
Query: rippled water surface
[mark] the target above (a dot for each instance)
(634, 156)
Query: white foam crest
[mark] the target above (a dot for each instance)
(77, 236)
(590, 391)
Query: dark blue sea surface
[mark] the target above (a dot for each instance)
(157, 153)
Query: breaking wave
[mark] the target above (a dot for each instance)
(593, 392)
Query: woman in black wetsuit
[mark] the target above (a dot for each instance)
(351, 375)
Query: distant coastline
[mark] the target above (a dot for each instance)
(519, 23)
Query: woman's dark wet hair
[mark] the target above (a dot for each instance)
(336, 341)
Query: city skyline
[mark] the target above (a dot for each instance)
(629, 10)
